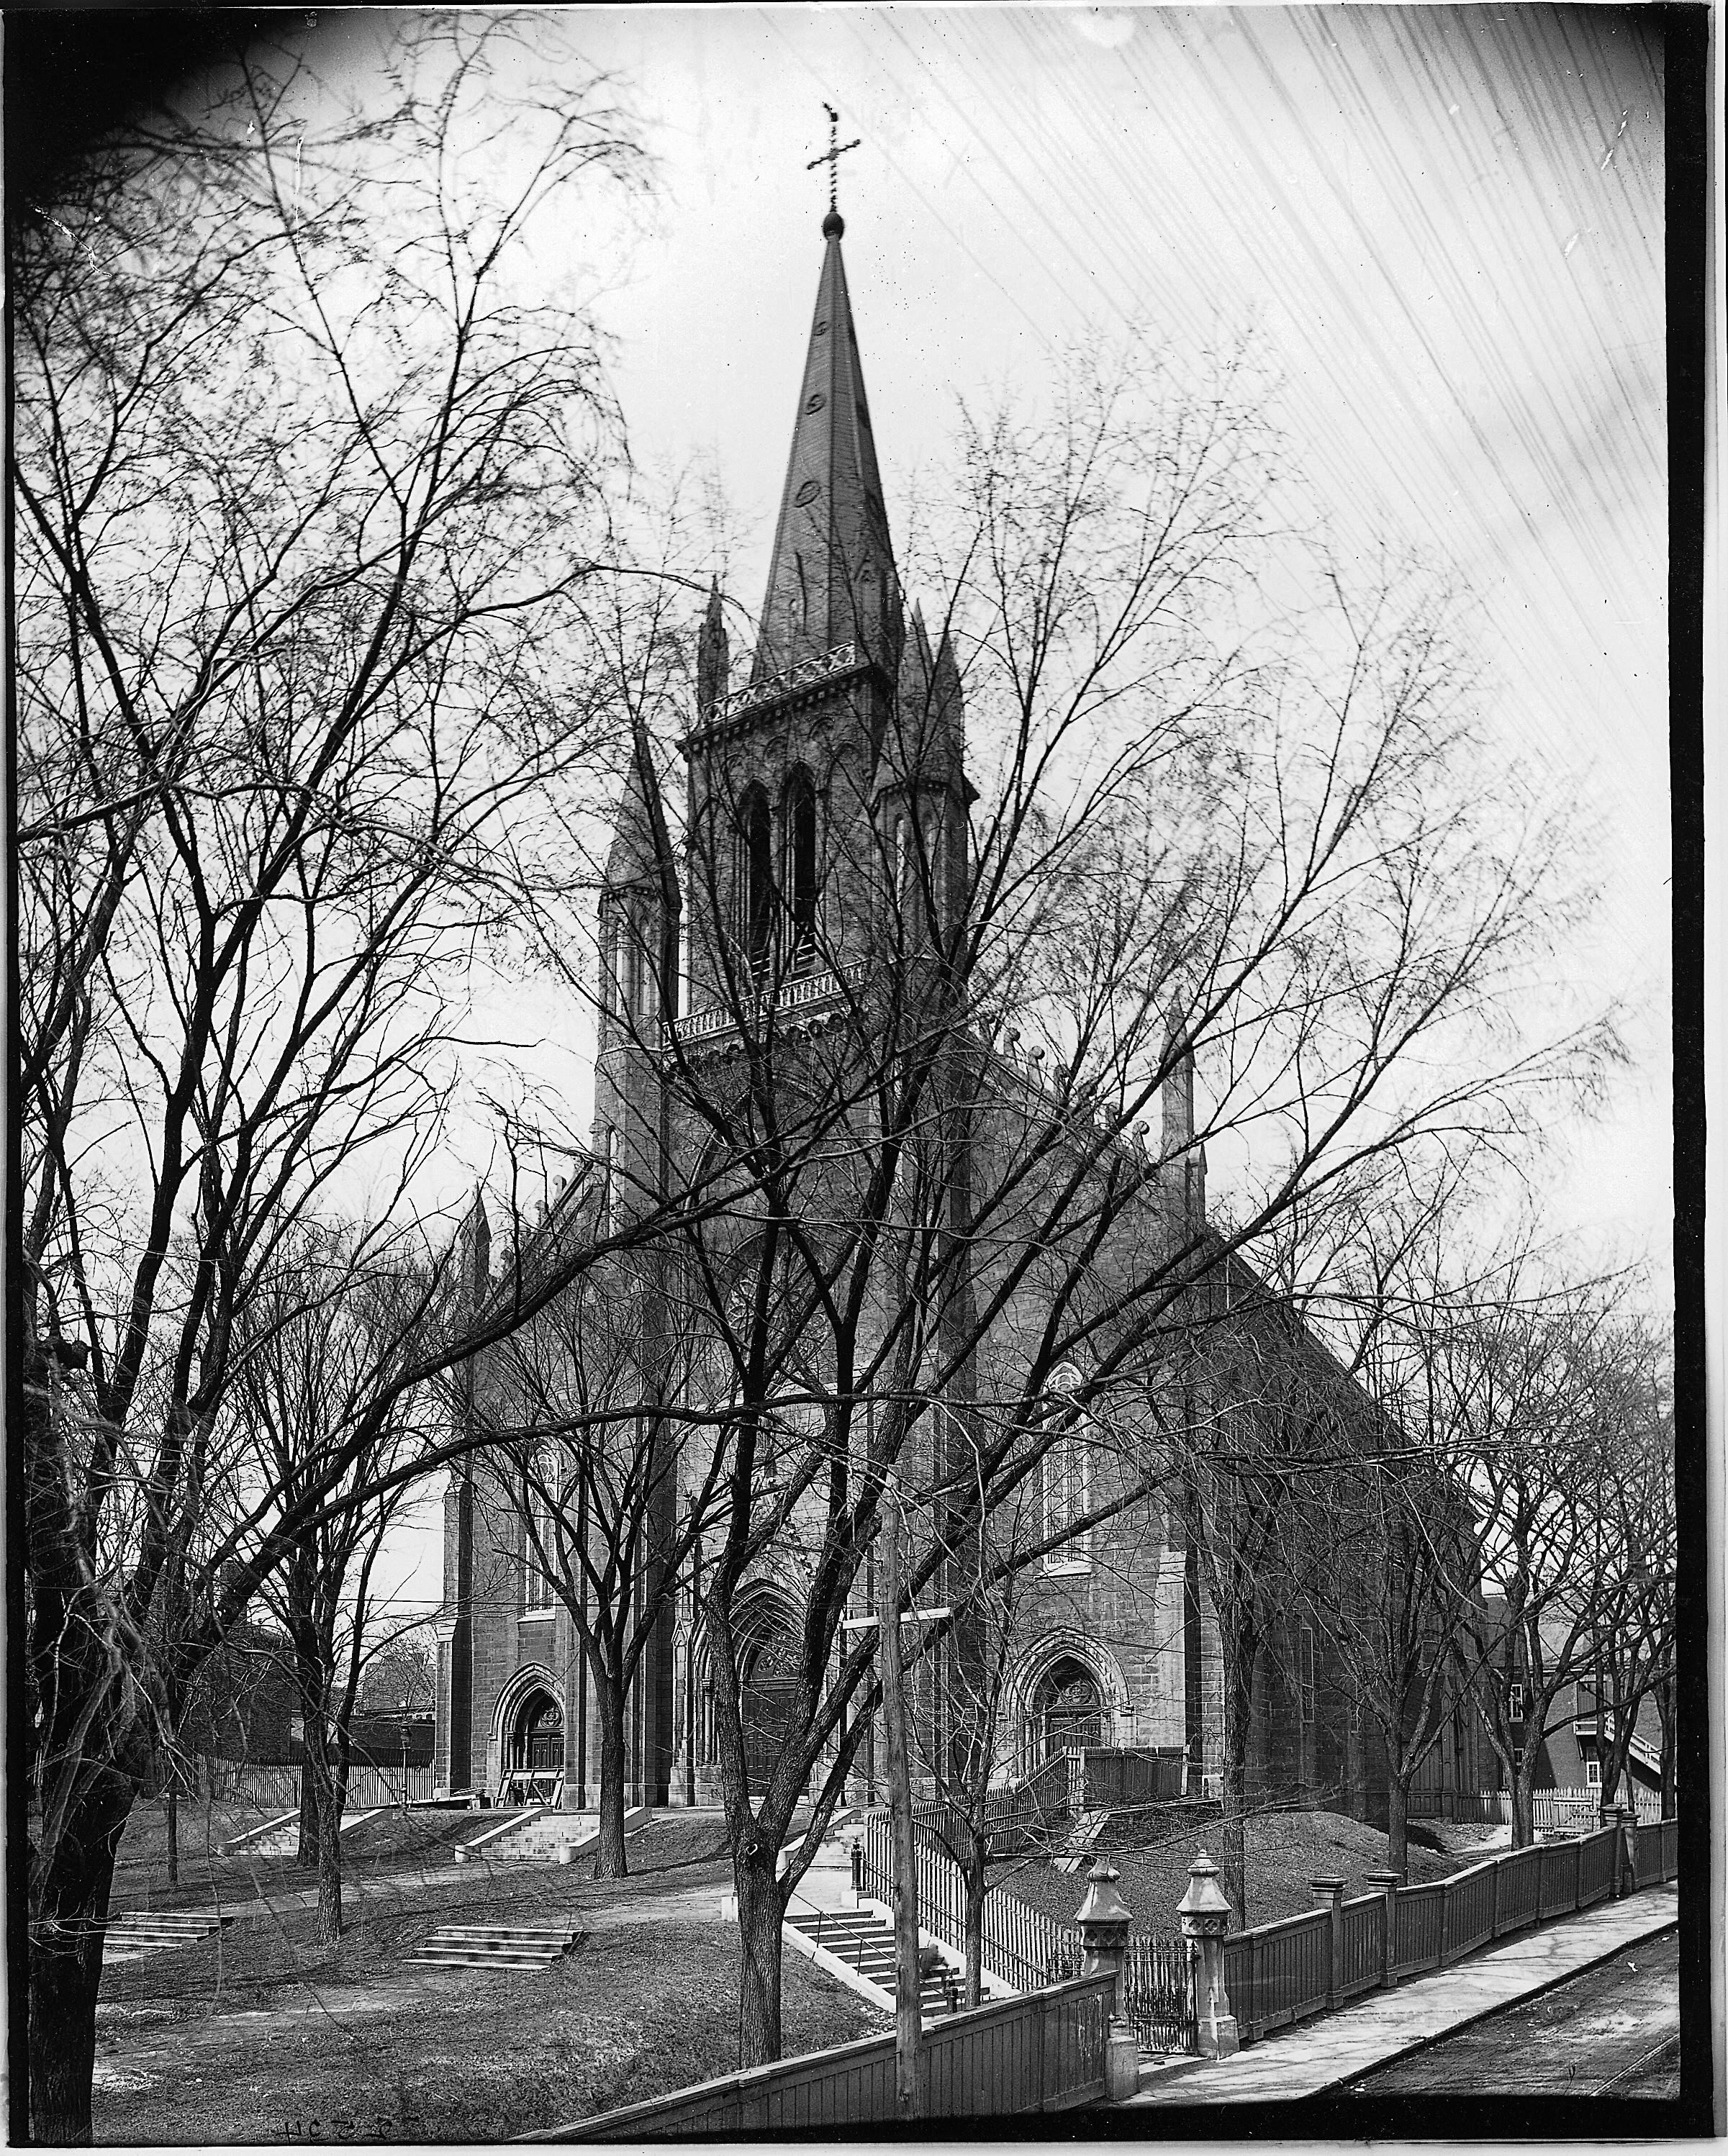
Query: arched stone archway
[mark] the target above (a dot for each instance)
(765, 1625)
(1067, 1689)
(528, 1713)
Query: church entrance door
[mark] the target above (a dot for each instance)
(539, 1747)
(1069, 1709)
(767, 1682)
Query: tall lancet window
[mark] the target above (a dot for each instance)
(754, 886)
(800, 880)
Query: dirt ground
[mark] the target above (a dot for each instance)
(452, 2056)
(261, 2033)
(1285, 1850)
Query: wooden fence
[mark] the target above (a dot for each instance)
(1566, 1811)
(1110, 1778)
(277, 1789)
(1044, 2052)
(1278, 1972)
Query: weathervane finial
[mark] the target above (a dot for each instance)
(833, 224)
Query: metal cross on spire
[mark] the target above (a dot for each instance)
(831, 157)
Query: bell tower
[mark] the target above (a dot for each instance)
(782, 768)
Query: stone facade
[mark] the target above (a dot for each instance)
(847, 738)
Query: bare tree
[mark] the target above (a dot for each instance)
(1631, 1572)
(589, 1471)
(1244, 891)
(1394, 1559)
(318, 1340)
(1524, 1382)
(305, 497)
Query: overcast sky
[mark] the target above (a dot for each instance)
(1443, 224)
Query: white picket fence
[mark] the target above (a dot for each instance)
(1552, 1811)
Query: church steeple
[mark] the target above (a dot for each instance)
(832, 579)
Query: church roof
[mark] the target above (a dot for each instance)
(832, 579)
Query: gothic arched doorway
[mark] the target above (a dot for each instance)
(767, 1679)
(537, 1737)
(1067, 1708)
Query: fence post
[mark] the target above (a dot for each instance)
(1205, 1918)
(1388, 1883)
(1578, 1873)
(1626, 1878)
(1040, 2010)
(1329, 1895)
(1103, 1918)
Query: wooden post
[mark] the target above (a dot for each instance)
(908, 1980)
(1388, 1883)
(1329, 1895)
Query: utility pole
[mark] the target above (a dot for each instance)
(909, 1984)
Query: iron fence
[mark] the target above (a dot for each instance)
(1158, 1987)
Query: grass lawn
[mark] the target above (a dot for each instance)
(1285, 1850)
(302, 2043)
(389, 1849)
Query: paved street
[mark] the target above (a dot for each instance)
(1358, 2047)
(1613, 2030)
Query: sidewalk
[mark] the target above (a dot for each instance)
(1382, 2025)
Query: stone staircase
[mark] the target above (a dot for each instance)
(498, 1946)
(540, 1836)
(865, 1943)
(138, 1931)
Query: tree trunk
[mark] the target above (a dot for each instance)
(977, 1887)
(69, 1915)
(761, 1907)
(909, 1984)
(609, 1860)
(1398, 1823)
(327, 1792)
(171, 1806)
(1232, 1851)
(1522, 1809)
(330, 1871)
(305, 1856)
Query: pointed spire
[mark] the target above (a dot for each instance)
(915, 670)
(929, 729)
(832, 579)
(474, 1242)
(712, 657)
(641, 848)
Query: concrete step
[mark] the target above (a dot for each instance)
(143, 1931)
(497, 1945)
(864, 1943)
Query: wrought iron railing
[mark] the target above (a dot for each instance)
(807, 673)
(1158, 1993)
(784, 997)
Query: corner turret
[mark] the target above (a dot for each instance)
(713, 656)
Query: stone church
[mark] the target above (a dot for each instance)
(1118, 1648)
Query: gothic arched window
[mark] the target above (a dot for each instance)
(1067, 1475)
(755, 880)
(540, 1531)
(798, 844)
